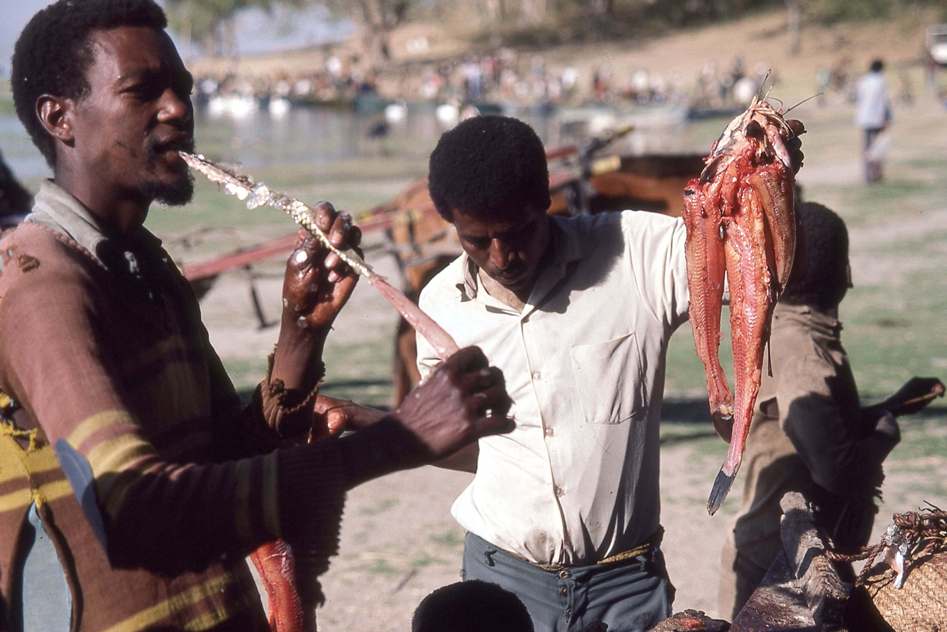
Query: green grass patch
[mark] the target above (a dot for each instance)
(922, 439)
(451, 538)
(381, 567)
(425, 560)
(360, 371)
(245, 373)
(380, 506)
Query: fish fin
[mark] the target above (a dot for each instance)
(719, 491)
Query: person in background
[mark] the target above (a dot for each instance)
(811, 433)
(872, 115)
(15, 201)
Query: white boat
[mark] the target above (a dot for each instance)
(231, 105)
(278, 107)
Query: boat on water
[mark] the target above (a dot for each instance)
(596, 118)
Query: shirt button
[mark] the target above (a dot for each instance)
(563, 591)
(548, 431)
(560, 492)
(537, 375)
(563, 574)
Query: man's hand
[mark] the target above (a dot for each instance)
(915, 395)
(317, 283)
(315, 288)
(463, 399)
(794, 144)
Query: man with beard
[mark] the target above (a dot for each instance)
(129, 463)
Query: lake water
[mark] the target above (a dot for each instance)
(318, 136)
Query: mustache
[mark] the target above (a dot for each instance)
(158, 146)
(511, 273)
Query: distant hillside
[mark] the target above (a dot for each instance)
(759, 39)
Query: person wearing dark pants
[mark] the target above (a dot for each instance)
(873, 116)
(628, 594)
(577, 312)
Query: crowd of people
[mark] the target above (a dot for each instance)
(502, 78)
(339, 81)
(143, 481)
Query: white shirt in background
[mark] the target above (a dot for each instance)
(872, 105)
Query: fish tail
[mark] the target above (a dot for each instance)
(720, 489)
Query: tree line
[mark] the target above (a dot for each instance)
(209, 23)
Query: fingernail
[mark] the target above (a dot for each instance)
(333, 276)
(285, 302)
(301, 257)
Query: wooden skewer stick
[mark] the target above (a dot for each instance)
(257, 194)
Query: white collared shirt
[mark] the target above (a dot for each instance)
(872, 106)
(577, 480)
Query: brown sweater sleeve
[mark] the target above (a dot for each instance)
(160, 513)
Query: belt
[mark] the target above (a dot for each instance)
(645, 548)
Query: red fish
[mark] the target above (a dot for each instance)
(276, 566)
(705, 270)
(740, 222)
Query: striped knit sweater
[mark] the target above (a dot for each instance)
(113, 364)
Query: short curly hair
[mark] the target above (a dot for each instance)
(819, 274)
(489, 166)
(471, 606)
(53, 54)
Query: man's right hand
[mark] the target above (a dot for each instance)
(463, 399)
(915, 395)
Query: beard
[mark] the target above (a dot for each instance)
(175, 192)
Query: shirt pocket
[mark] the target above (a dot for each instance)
(608, 380)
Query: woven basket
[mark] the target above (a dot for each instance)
(920, 605)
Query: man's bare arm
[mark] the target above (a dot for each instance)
(343, 414)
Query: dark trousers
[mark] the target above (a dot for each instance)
(872, 167)
(628, 596)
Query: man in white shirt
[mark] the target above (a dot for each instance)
(872, 115)
(564, 511)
